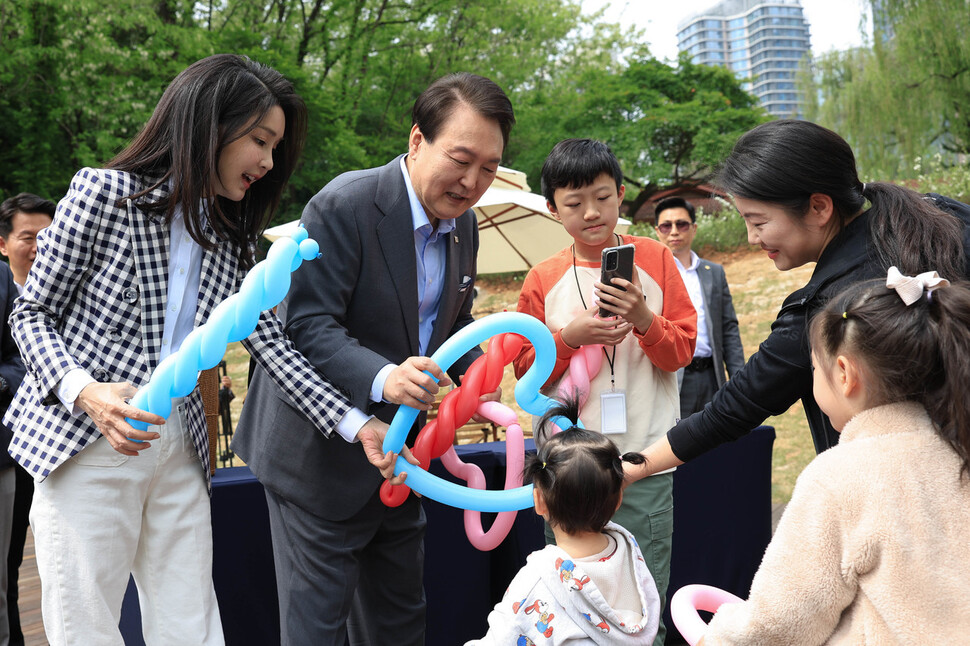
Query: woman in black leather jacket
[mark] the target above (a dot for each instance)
(796, 186)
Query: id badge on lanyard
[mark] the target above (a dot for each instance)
(613, 412)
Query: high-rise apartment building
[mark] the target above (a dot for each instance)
(761, 41)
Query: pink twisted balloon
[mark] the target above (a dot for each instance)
(472, 474)
(583, 366)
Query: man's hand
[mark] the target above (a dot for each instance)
(588, 329)
(107, 406)
(629, 304)
(409, 384)
(371, 436)
(227, 382)
(495, 396)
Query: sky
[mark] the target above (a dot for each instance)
(833, 24)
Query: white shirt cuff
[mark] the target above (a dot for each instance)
(353, 420)
(377, 388)
(71, 386)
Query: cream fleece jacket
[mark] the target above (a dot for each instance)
(874, 547)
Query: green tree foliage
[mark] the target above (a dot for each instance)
(77, 80)
(907, 95)
(669, 126)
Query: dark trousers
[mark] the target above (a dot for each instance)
(15, 556)
(698, 388)
(354, 581)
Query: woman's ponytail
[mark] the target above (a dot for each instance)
(910, 232)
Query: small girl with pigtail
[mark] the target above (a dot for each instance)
(593, 585)
(873, 547)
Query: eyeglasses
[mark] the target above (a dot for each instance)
(665, 227)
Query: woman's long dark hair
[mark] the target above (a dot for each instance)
(784, 162)
(209, 105)
(579, 472)
(915, 353)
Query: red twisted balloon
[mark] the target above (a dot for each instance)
(483, 376)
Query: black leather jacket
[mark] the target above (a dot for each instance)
(779, 373)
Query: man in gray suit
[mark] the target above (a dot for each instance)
(718, 340)
(395, 280)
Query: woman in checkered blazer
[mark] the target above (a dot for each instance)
(139, 253)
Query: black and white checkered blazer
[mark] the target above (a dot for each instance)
(95, 299)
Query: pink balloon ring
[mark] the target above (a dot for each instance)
(472, 474)
(691, 598)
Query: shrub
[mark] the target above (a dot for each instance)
(935, 177)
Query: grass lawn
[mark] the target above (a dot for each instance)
(758, 290)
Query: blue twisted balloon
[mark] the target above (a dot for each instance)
(233, 319)
(526, 394)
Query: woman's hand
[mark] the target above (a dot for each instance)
(107, 405)
(659, 457)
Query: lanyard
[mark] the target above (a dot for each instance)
(609, 360)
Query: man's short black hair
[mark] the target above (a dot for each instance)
(673, 203)
(436, 104)
(22, 203)
(574, 163)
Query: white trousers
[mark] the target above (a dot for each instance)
(103, 515)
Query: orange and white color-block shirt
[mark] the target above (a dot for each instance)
(646, 360)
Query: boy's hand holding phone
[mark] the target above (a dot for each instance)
(589, 329)
(624, 298)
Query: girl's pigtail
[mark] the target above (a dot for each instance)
(948, 404)
(568, 408)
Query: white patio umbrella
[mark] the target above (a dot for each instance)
(516, 229)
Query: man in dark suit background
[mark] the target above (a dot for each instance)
(718, 339)
(395, 280)
(11, 374)
(22, 217)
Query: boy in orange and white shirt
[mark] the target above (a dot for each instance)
(650, 338)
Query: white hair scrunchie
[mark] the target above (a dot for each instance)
(911, 288)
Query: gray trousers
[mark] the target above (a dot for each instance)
(8, 490)
(697, 389)
(349, 582)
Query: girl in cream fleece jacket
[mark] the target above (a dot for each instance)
(873, 547)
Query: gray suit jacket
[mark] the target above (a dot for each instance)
(351, 312)
(722, 322)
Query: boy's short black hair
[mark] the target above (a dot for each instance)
(574, 163)
(22, 203)
(673, 203)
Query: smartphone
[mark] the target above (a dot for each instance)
(616, 262)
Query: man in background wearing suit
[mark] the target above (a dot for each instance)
(718, 339)
(11, 374)
(21, 218)
(395, 280)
